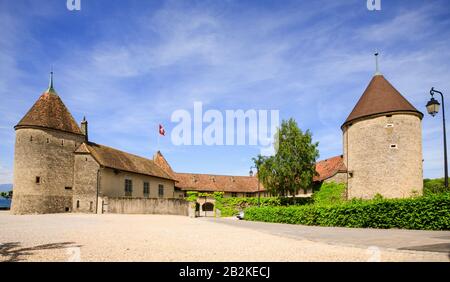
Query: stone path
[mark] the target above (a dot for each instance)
(419, 240)
(84, 237)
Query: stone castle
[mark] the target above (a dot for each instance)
(58, 169)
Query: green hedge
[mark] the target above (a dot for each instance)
(329, 193)
(232, 206)
(434, 186)
(430, 213)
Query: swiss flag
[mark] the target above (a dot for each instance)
(162, 131)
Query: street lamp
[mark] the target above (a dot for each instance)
(433, 109)
(251, 174)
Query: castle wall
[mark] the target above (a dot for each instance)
(86, 172)
(148, 206)
(340, 177)
(384, 156)
(48, 155)
(112, 184)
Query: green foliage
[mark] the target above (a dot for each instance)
(191, 196)
(428, 213)
(6, 195)
(434, 186)
(293, 166)
(329, 194)
(232, 206)
(378, 196)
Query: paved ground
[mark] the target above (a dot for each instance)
(416, 240)
(110, 237)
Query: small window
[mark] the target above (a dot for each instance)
(48, 141)
(67, 209)
(161, 190)
(68, 188)
(38, 180)
(389, 125)
(146, 189)
(234, 194)
(62, 142)
(31, 138)
(393, 146)
(78, 204)
(249, 195)
(128, 187)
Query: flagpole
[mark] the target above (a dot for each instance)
(158, 138)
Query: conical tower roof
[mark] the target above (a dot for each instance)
(49, 111)
(380, 97)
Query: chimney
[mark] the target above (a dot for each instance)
(84, 128)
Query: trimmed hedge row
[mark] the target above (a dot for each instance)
(232, 206)
(428, 213)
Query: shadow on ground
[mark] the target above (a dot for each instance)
(441, 248)
(13, 252)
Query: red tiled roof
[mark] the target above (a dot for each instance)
(380, 97)
(329, 167)
(159, 160)
(116, 159)
(50, 112)
(217, 183)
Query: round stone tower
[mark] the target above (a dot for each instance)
(382, 140)
(46, 138)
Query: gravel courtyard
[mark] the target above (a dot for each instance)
(111, 237)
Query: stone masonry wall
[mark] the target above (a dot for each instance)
(47, 154)
(112, 184)
(384, 154)
(147, 206)
(340, 177)
(85, 184)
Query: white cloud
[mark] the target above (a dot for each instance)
(310, 60)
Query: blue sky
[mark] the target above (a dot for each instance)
(127, 65)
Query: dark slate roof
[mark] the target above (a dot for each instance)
(380, 97)
(116, 159)
(49, 111)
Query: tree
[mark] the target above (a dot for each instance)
(293, 166)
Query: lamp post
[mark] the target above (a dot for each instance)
(251, 174)
(433, 109)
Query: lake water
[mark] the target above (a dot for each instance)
(5, 203)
